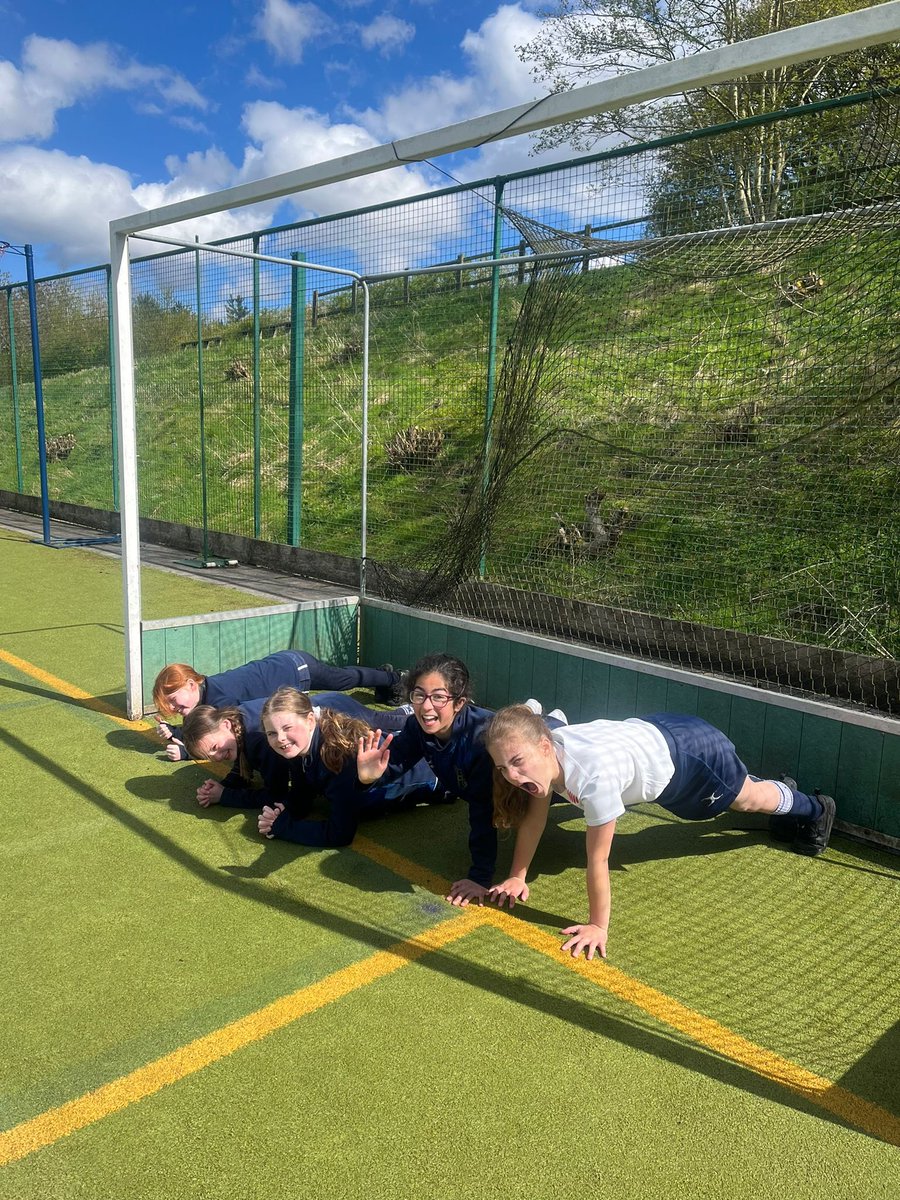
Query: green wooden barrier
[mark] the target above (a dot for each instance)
(213, 642)
(853, 756)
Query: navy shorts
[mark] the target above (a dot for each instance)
(708, 773)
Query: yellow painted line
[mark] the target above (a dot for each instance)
(56, 1123)
(404, 867)
(846, 1105)
(73, 692)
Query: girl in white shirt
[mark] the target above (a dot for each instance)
(682, 763)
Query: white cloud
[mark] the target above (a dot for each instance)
(285, 139)
(387, 34)
(287, 28)
(65, 202)
(57, 74)
(495, 63)
(496, 79)
(61, 202)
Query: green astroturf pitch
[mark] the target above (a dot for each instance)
(189, 1010)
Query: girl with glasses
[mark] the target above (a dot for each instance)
(446, 730)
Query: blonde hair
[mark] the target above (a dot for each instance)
(517, 720)
(339, 732)
(169, 680)
(204, 720)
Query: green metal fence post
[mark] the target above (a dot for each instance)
(14, 380)
(257, 437)
(114, 424)
(204, 499)
(295, 403)
(492, 348)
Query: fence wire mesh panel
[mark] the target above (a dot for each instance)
(73, 331)
(679, 438)
(693, 452)
(18, 443)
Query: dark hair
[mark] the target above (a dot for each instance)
(454, 671)
(203, 720)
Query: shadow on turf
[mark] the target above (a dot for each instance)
(110, 628)
(590, 1016)
(875, 1075)
(125, 739)
(112, 700)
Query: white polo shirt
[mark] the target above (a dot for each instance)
(610, 765)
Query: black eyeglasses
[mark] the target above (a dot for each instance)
(438, 699)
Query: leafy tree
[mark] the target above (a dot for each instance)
(161, 323)
(743, 177)
(236, 310)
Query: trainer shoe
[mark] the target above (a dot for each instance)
(783, 826)
(535, 705)
(558, 715)
(812, 836)
(389, 693)
(399, 690)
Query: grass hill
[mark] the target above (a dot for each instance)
(732, 432)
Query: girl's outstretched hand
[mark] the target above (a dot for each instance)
(268, 817)
(372, 756)
(209, 792)
(175, 750)
(464, 891)
(590, 938)
(510, 890)
(164, 729)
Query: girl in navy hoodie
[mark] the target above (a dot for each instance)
(179, 688)
(318, 747)
(446, 730)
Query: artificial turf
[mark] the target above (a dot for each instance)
(136, 924)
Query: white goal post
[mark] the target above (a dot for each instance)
(819, 39)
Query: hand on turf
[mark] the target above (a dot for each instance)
(372, 756)
(464, 891)
(175, 750)
(164, 729)
(590, 938)
(268, 817)
(209, 792)
(509, 891)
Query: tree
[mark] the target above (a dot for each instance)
(236, 309)
(161, 323)
(586, 40)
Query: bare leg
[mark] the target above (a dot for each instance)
(757, 796)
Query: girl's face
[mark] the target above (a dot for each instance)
(184, 699)
(289, 734)
(531, 766)
(220, 745)
(434, 705)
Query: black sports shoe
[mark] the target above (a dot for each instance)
(386, 693)
(812, 836)
(398, 691)
(783, 826)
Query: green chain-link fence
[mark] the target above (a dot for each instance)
(681, 440)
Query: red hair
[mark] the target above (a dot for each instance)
(169, 680)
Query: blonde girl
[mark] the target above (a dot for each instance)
(603, 767)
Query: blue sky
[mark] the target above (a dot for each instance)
(110, 108)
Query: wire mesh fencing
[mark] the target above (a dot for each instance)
(647, 400)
